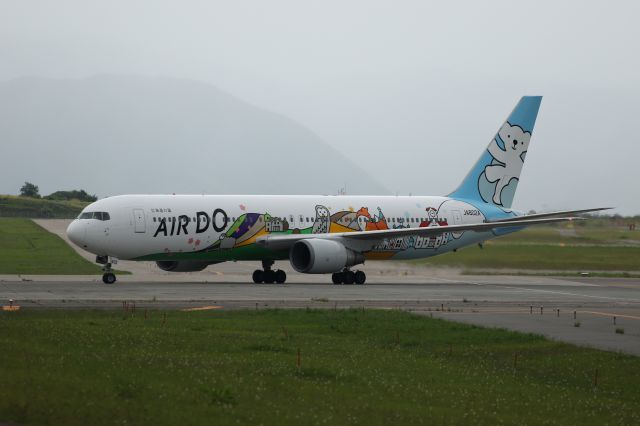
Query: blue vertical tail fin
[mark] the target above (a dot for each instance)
(494, 178)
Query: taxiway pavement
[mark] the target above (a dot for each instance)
(599, 312)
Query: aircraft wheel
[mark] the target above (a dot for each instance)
(109, 278)
(337, 277)
(360, 277)
(281, 276)
(258, 276)
(349, 277)
(269, 276)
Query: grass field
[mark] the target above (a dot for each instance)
(592, 231)
(359, 367)
(14, 206)
(28, 249)
(598, 247)
(543, 257)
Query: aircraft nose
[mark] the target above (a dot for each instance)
(76, 233)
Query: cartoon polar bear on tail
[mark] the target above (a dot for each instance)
(516, 143)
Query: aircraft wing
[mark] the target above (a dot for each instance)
(281, 242)
(550, 214)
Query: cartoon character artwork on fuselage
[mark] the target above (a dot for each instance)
(247, 227)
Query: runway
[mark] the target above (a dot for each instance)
(585, 311)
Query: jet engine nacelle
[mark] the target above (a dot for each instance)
(317, 256)
(182, 265)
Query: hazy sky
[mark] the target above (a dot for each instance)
(411, 91)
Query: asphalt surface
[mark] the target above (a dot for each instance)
(603, 313)
(598, 312)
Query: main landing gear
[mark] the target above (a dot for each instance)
(268, 275)
(108, 277)
(349, 277)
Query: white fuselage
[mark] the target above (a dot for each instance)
(225, 227)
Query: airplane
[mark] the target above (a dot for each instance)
(317, 234)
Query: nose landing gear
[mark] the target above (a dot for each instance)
(268, 275)
(108, 277)
(349, 277)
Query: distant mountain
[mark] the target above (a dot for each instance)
(124, 134)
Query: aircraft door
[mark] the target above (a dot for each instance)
(139, 221)
(457, 217)
(457, 220)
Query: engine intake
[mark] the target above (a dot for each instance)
(183, 265)
(317, 256)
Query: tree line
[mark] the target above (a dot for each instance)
(31, 190)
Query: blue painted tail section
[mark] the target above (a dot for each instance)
(494, 178)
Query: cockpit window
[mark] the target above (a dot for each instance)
(94, 215)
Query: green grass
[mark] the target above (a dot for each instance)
(105, 367)
(549, 273)
(543, 257)
(15, 206)
(601, 247)
(585, 234)
(26, 248)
